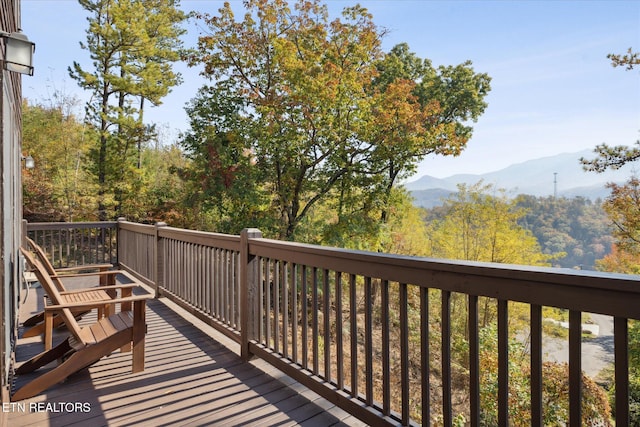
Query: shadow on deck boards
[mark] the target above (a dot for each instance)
(193, 377)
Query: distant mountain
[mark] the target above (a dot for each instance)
(534, 177)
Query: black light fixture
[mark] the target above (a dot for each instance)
(18, 53)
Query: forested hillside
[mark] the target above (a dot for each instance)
(577, 227)
(573, 232)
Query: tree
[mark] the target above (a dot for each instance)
(576, 226)
(481, 224)
(58, 188)
(620, 261)
(307, 102)
(623, 204)
(132, 44)
(615, 157)
(224, 182)
(300, 79)
(629, 60)
(623, 209)
(420, 110)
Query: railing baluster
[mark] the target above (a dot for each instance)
(353, 332)
(285, 309)
(326, 309)
(262, 297)
(67, 247)
(224, 313)
(189, 266)
(229, 284)
(621, 349)
(314, 319)
(446, 358)
(575, 367)
(198, 261)
(425, 370)
(503, 363)
(368, 341)
(403, 304)
(204, 285)
(536, 364)
(276, 305)
(339, 349)
(206, 280)
(304, 299)
(267, 302)
(386, 363)
(474, 361)
(294, 312)
(238, 292)
(219, 283)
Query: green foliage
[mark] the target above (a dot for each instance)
(576, 227)
(58, 188)
(629, 60)
(614, 157)
(620, 261)
(132, 44)
(480, 223)
(222, 177)
(329, 118)
(623, 208)
(608, 157)
(595, 406)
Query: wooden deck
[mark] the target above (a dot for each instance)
(193, 377)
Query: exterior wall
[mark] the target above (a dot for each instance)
(10, 198)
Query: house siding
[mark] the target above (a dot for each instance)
(11, 199)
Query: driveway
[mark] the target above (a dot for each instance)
(597, 352)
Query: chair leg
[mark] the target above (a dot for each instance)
(139, 330)
(57, 322)
(77, 361)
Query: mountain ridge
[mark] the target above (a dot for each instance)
(560, 175)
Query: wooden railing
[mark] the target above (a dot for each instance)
(372, 332)
(71, 244)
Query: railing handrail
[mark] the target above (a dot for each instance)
(603, 293)
(38, 226)
(203, 238)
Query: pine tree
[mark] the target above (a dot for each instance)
(133, 44)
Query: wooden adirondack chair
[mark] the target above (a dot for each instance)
(35, 323)
(85, 346)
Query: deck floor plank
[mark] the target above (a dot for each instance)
(193, 376)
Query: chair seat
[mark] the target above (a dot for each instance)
(102, 329)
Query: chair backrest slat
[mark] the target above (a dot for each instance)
(54, 294)
(51, 271)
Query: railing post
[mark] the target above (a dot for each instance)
(249, 292)
(118, 238)
(158, 268)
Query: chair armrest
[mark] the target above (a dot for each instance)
(100, 267)
(101, 288)
(96, 304)
(95, 273)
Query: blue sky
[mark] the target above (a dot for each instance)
(553, 89)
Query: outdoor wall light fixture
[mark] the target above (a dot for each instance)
(18, 53)
(29, 163)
